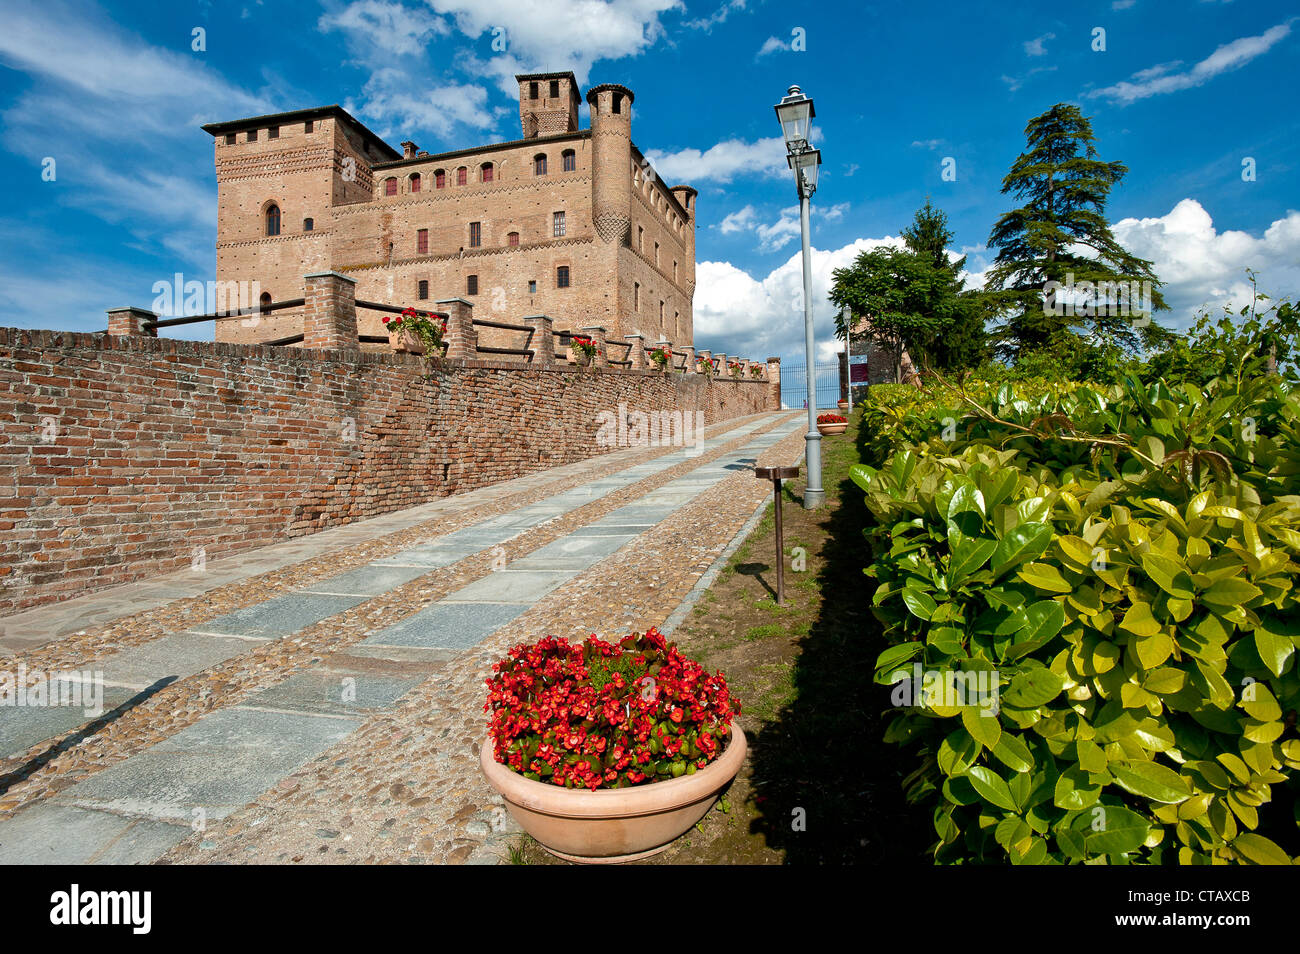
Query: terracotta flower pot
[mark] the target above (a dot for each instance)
(842, 405)
(613, 825)
(832, 429)
(581, 358)
(405, 342)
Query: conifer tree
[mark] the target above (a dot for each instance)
(1060, 231)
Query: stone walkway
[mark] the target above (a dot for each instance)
(339, 719)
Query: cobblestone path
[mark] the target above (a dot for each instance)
(329, 709)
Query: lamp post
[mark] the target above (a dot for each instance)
(796, 112)
(848, 353)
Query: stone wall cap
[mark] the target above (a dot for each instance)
(635, 334)
(599, 328)
(452, 301)
(137, 310)
(534, 317)
(330, 275)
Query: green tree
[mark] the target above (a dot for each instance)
(912, 298)
(1059, 233)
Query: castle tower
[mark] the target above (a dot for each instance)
(548, 104)
(611, 161)
(686, 196)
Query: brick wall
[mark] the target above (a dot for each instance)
(120, 456)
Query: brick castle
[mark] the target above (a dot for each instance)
(566, 222)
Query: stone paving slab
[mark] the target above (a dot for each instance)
(447, 625)
(21, 727)
(63, 835)
(282, 615)
(176, 656)
(335, 691)
(218, 764)
(510, 586)
(370, 580)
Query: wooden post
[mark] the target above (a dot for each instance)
(776, 475)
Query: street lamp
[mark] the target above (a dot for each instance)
(796, 113)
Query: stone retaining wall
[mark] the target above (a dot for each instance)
(126, 456)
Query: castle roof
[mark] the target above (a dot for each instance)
(301, 115)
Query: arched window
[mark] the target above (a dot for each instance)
(462, 175)
(485, 172)
(308, 224)
(390, 186)
(512, 239)
(265, 301)
(539, 164)
(570, 160)
(415, 182)
(272, 219)
(440, 179)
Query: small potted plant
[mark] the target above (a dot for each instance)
(704, 365)
(415, 332)
(755, 370)
(662, 356)
(584, 350)
(735, 369)
(608, 751)
(842, 404)
(831, 424)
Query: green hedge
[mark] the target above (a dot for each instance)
(1124, 562)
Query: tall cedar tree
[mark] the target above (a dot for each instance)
(1060, 229)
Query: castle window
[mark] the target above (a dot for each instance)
(618, 102)
(557, 225)
(272, 219)
(532, 287)
(390, 186)
(273, 132)
(656, 254)
(674, 271)
(252, 136)
(532, 90)
(440, 179)
(471, 285)
(422, 242)
(308, 225)
(661, 314)
(555, 89)
(230, 139)
(485, 172)
(512, 239)
(422, 290)
(475, 234)
(539, 164)
(570, 160)
(415, 182)
(640, 239)
(562, 277)
(264, 301)
(308, 126)
(636, 296)
(462, 175)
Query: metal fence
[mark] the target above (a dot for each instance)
(794, 385)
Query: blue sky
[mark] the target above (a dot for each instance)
(1183, 92)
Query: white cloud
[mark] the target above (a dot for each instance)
(395, 107)
(931, 144)
(1160, 79)
(776, 235)
(1015, 82)
(771, 45)
(388, 27)
(1035, 46)
(1202, 267)
(717, 17)
(723, 161)
(752, 317)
